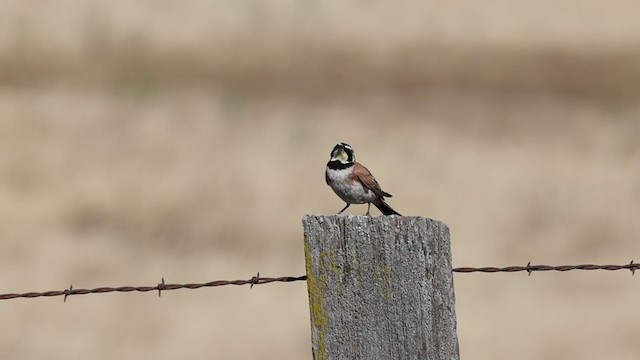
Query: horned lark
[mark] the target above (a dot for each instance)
(353, 183)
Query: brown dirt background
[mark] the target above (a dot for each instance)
(186, 140)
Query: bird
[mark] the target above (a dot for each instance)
(353, 182)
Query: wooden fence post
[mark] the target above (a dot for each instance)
(380, 288)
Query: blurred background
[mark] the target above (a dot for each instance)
(186, 140)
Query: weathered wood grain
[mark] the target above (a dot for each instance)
(380, 288)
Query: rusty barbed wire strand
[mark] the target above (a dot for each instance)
(162, 286)
(531, 268)
(258, 280)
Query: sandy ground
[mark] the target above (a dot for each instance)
(149, 140)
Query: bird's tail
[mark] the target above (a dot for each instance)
(384, 208)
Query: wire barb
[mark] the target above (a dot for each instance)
(161, 287)
(255, 280)
(67, 292)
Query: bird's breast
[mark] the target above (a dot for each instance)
(348, 189)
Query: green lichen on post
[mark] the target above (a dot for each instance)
(318, 315)
(333, 267)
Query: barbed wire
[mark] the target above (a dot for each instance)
(258, 280)
(162, 286)
(531, 268)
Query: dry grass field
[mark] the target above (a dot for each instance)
(150, 139)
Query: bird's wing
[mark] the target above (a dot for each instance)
(368, 181)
